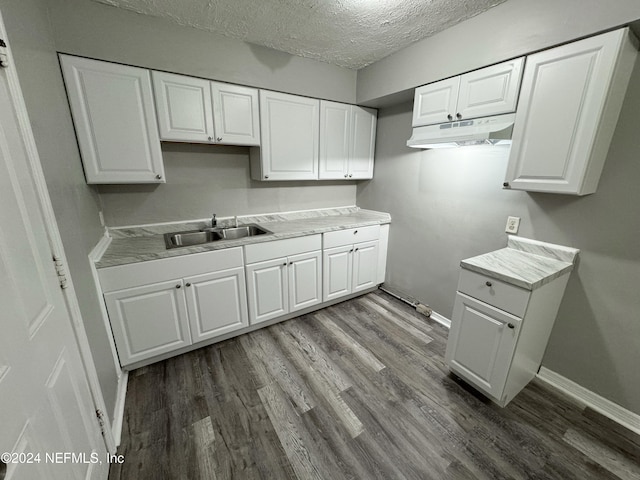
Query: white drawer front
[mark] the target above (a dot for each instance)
(500, 294)
(259, 252)
(351, 235)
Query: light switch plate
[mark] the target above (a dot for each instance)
(513, 223)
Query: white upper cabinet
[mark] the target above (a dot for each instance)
(235, 114)
(488, 91)
(569, 105)
(347, 141)
(201, 111)
(289, 127)
(184, 108)
(115, 121)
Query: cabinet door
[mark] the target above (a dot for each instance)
(217, 303)
(305, 280)
(336, 265)
(365, 266)
(490, 91)
(335, 135)
(569, 105)
(290, 134)
(115, 121)
(184, 108)
(148, 321)
(268, 290)
(363, 142)
(481, 344)
(235, 114)
(436, 102)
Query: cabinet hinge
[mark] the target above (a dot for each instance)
(60, 271)
(4, 59)
(101, 422)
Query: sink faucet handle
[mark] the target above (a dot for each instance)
(214, 222)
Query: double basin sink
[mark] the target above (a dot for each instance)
(208, 235)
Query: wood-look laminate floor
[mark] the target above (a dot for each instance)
(359, 390)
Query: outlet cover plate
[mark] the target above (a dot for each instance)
(513, 223)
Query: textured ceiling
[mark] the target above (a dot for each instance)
(348, 33)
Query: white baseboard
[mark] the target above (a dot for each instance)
(441, 319)
(615, 412)
(118, 411)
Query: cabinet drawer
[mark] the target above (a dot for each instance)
(500, 294)
(153, 271)
(351, 235)
(259, 252)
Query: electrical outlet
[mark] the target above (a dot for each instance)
(512, 224)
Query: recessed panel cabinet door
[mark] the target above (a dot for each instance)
(481, 343)
(365, 266)
(184, 108)
(235, 114)
(115, 121)
(436, 102)
(217, 303)
(267, 289)
(305, 280)
(363, 142)
(148, 321)
(290, 135)
(335, 140)
(337, 265)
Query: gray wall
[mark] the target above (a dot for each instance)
(75, 204)
(447, 205)
(84, 27)
(203, 179)
(511, 29)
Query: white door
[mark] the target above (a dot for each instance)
(184, 108)
(115, 121)
(290, 132)
(217, 303)
(149, 320)
(436, 102)
(365, 266)
(236, 114)
(45, 401)
(336, 265)
(490, 91)
(363, 142)
(481, 343)
(335, 140)
(305, 280)
(267, 290)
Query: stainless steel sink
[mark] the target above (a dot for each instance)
(207, 235)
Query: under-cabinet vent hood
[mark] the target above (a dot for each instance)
(494, 130)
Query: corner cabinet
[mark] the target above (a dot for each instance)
(115, 121)
(347, 141)
(202, 111)
(289, 138)
(569, 105)
(489, 91)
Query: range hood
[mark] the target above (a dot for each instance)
(494, 130)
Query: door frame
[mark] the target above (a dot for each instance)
(55, 242)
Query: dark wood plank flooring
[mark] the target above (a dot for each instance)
(359, 390)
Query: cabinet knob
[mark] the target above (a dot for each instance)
(355, 231)
(506, 185)
(345, 175)
(219, 139)
(350, 175)
(158, 177)
(488, 283)
(450, 117)
(351, 250)
(266, 176)
(284, 264)
(188, 284)
(357, 249)
(290, 263)
(178, 286)
(458, 116)
(210, 139)
(511, 325)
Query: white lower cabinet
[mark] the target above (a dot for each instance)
(286, 283)
(206, 300)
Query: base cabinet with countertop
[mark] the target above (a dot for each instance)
(505, 308)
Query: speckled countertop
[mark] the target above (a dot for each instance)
(525, 263)
(139, 244)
